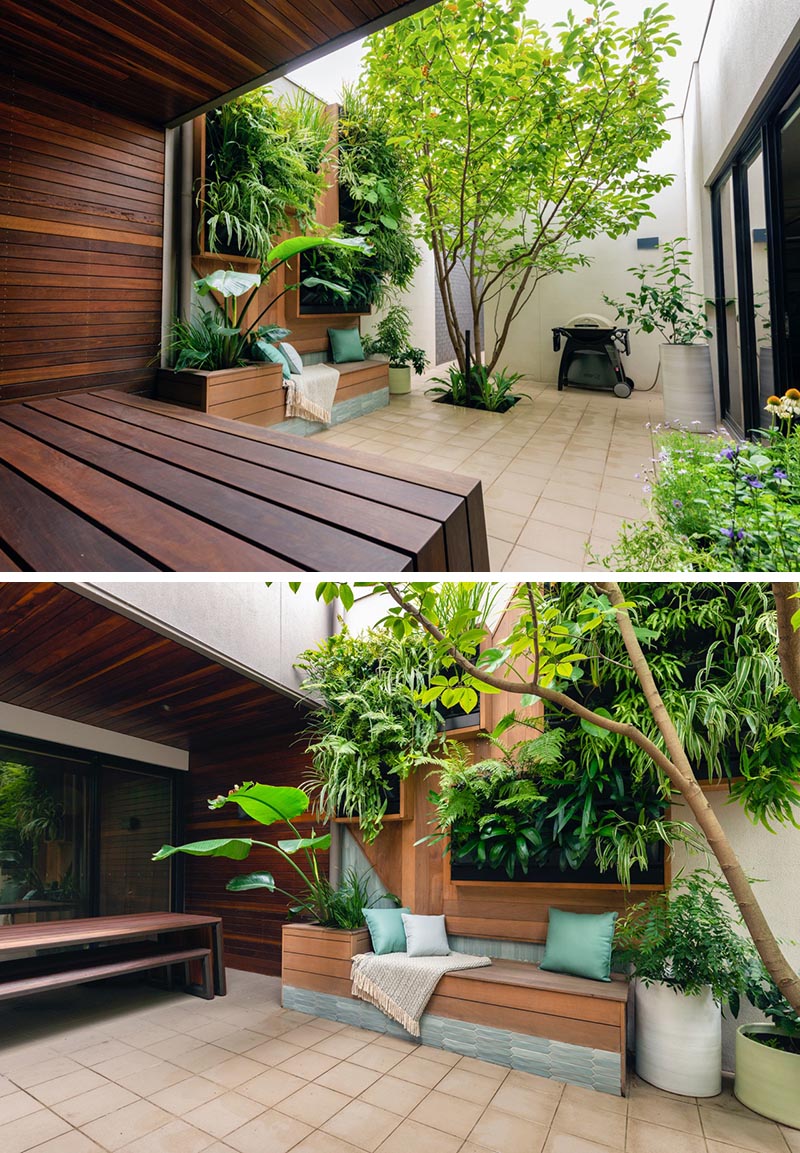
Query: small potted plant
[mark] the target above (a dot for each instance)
(392, 339)
(666, 302)
(768, 1055)
(688, 960)
(216, 350)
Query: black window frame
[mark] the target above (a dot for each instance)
(90, 764)
(763, 134)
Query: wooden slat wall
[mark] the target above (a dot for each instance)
(252, 921)
(81, 217)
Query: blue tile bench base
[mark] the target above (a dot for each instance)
(589, 1068)
(341, 412)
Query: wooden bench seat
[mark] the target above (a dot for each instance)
(357, 377)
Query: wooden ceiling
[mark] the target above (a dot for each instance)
(65, 655)
(158, 60)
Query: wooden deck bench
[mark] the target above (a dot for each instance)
(512, 1013)
(66, 953)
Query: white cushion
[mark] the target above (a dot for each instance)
(293, 356)
(425, 936)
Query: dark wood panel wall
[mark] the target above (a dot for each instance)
(252, 921)
(81, 219)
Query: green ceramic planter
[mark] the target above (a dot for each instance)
(399, 381)
(767, 1080)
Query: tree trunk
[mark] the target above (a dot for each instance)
(786, 605)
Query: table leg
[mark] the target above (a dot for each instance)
(218, 953)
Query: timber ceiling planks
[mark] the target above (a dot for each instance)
(70, 657)
(158, 60)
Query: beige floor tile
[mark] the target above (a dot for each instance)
(340, 1047)
(525, 1103)
(499, 551)
(176, 1137)
(328, 1026)
(241, 1041)
(450, 1114)
(126, 1125)
(628, 507)
(533, 463)
(272, 1086)
(441, 1056)
(272, 1132)
(274, 1052)
(528, 560)
(154, 1079)
(791, 1137)
(73, 1141)
(581, 495)
(226, 1113)
(505, 526)
(399, 1044)
(420, 1071)
(400, 1097)
(521, 482)
(313, 1103)
(184, 1096)
(506, 498)
(104, 1051)
(543, 1086)
(35, 1129)
(198, 1060)
(308, 1064)
(17, 1104)
(38, 1072)
(586, 1120)
(347, 1078)
(577, 1095)
(174, 1047)
(96, 1103)
(128, 1063)
(673, 1114)
(505, 1133)
(644, 1137)
(71, 1085)
(362, 1124)
(565, 515)
(568, 1143)
(461, 1082)
(320, 1142)
(209, 1031)
(305, 1036)
(749, 1132)
(378, 1057)
(553, 540)
(234, 1072)
(411, 1136)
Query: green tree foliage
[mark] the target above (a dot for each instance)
(524, 144)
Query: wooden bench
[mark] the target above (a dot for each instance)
(569, 1028)
(93, 948)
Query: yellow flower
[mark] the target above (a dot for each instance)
(793, 394)
(773, 401)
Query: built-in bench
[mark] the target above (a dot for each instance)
(59, 954)
(512, 1013)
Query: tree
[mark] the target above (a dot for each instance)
(524, 145)
(543, 656)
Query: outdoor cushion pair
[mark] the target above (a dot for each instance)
(400, 931)
(283, 354)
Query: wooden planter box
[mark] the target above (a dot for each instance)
(253, 393)
(319, 959)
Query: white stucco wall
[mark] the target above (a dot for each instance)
(420, 300)
(560, 298)
(260, 628)
(775, 860)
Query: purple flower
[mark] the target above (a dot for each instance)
(677, 504)
(753, 481)
(779, 474)
(732, 534)
(728, 454)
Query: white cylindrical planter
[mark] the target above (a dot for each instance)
(678, 1040)
(767, 1080)
(399, 380)
(688, 385)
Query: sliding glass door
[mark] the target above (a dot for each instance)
(790, 197)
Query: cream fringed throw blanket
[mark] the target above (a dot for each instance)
(311, 395)
(401, 986)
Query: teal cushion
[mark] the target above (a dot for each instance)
(263, 350)
(345, 345)
(579, 944)
(386, 930)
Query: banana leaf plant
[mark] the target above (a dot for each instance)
(269, 805)
(210, 342)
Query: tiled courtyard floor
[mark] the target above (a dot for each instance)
(139, 1070)
(558, 470)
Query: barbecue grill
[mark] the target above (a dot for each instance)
(592, 356)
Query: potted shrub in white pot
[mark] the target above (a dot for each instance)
(687, 960)
(666, 302)
(392, 339)
(768, 1055)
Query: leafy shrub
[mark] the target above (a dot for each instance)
(392, 339)
(482, 389)
(720, 506)
(665, 301)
